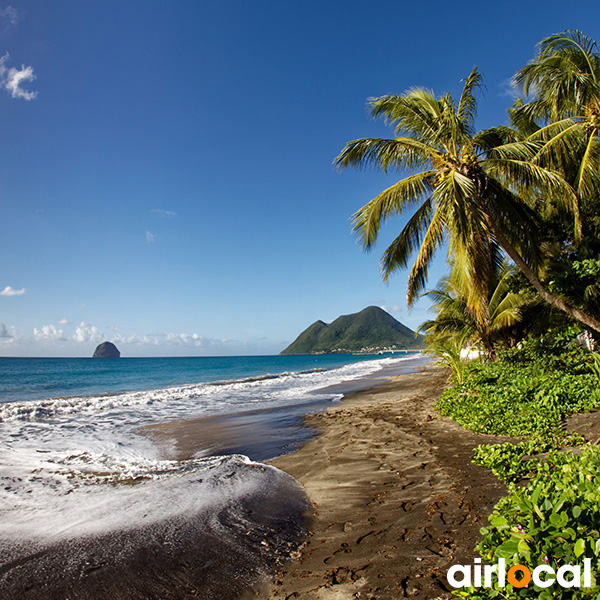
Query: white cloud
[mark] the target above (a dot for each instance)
(149, 237)
(11, 79)
(164, 213)
(48, 332)
(79, 340)
(63, 321)
(8, 336)
(84, 332)
(169, 340)
(9, 291)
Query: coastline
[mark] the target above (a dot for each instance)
(263, 433)
(396, 498)
(395, 501)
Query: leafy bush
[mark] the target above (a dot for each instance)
(555, 520)
(507, 461)
(526, 393)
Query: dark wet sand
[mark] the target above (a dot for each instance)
(260, 434)
(397, 500)
(215, 555)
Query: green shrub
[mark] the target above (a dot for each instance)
(554, 520)
(507, 461)
(524, 393)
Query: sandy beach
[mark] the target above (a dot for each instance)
(393, 502)
(396, 498)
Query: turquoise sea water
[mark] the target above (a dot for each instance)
(81, 478)
(23, 379)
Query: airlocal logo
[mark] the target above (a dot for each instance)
(478, 575)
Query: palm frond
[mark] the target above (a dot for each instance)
(505, 272)
(396, 255)
(518, 220)
(416, 113)
(520, 173)
(587, 181)
(467, 105)
(523, 117)
(561, 142)
(391, 202)
(491, 138)
(381, 153)
(564, 76)
(567, 38)
(518, 150)
(399, 251)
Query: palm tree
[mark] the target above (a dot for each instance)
(465, 187)
(448, 349)
(454, 318)
(564, 83)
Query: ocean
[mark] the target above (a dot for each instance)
(86, 491)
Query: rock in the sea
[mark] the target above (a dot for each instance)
(106, 350)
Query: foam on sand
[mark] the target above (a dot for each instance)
(213, 527)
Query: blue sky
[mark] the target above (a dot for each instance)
(166, 167)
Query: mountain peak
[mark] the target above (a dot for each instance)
(371, 330)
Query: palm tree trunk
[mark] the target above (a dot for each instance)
(536, 283)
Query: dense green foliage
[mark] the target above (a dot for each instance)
(523, 393)
(370, 328)
(510, 462)
(554, 520)
(528, 192)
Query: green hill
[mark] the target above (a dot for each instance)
(370, 330)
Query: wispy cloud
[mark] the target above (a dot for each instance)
(149, 237)
(164, 213)
(11, 79)
(9, 291)
(9, 16)
(49, 332)
(4, 334)
(391, 309)
(63, 321)
(170, 340)
(508, 88)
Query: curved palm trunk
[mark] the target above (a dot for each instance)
(536, 283)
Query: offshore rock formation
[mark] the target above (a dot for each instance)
(106, 350)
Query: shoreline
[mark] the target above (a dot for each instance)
(396, 498)
(393, 501)
(263, 433)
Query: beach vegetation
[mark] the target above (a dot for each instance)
(448, 349)
(454, 319)
(526, 392)
(551, 513)
(518, 209)
(553, 520)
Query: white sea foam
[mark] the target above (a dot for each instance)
(86, 495)
(75, 466)
(207, 398)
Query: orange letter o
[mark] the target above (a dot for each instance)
(514, 581)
